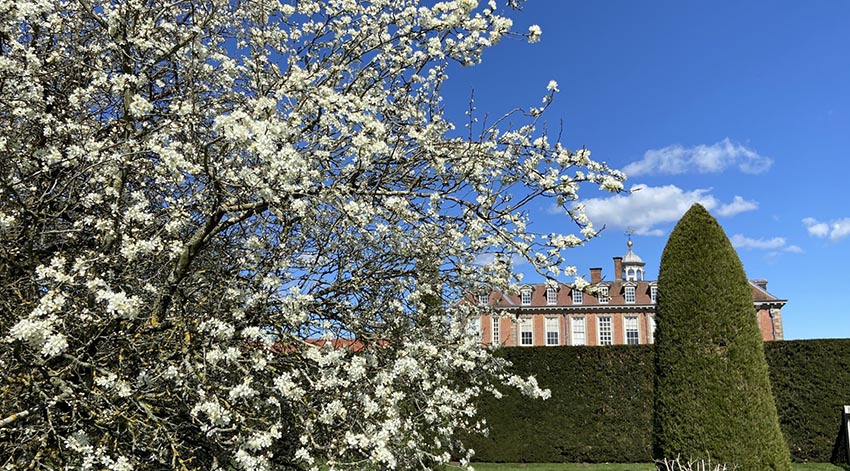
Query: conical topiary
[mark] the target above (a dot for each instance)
(712, 390)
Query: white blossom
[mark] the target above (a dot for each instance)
(214, 412)
(6, 221)
(54, 345)
(110, 382)
(534, 33)
(242, 390)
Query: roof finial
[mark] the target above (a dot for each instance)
(629, 233)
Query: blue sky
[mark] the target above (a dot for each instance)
(741, 106)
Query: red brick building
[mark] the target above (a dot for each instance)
(612, 312)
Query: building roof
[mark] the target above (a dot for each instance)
(762, 296)
(643, 292)
(631, 258)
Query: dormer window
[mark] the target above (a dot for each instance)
(578, 297)
(653, 293)
(551, 296)
(630, 294)
(483, 299)
(602, 294)
(525, 296)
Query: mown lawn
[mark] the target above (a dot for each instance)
(563, 467)
(615, 467)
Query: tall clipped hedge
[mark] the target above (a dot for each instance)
(602, 403)
(712, 390)
(598, 410)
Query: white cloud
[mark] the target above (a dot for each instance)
(815, 228)
(742, 242)
(775, 244)
(738, 205)
(554, 209)
(835, 230)
(645, 207)
(715, 158)
(488, 258)
(840, 229)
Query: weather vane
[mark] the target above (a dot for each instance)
(629, 234)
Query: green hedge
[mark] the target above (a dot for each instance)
(712, 387)
(601, 406)
(600, 409)
(811, 384)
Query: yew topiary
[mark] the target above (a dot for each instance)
(712, 391)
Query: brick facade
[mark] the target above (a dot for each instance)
(619, 310)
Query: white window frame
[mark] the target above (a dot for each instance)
(496, 331)
(653, 294)
(552, 340)
(633, 328)
(578, 330)
(630, 294)
(606, 336)
(602, 295)
(484, 299)
(526, 326)
(551, 296)
(525, 296)
(652, 327)
(578, 296)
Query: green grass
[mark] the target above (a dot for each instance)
(616, 467)
(564, 467)
(815, 467)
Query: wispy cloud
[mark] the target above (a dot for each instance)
(645, 207)
(714, 158)
(834, 230)
(775, 244)
(738, 205)
(815, 228)
(488, 258)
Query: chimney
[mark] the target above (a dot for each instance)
(595, 275)
(761, 284)
(618, 268)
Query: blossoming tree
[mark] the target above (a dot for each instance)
(235, 234)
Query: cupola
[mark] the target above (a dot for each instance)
(632, 265)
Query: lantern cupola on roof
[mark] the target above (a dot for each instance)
(632, 265)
